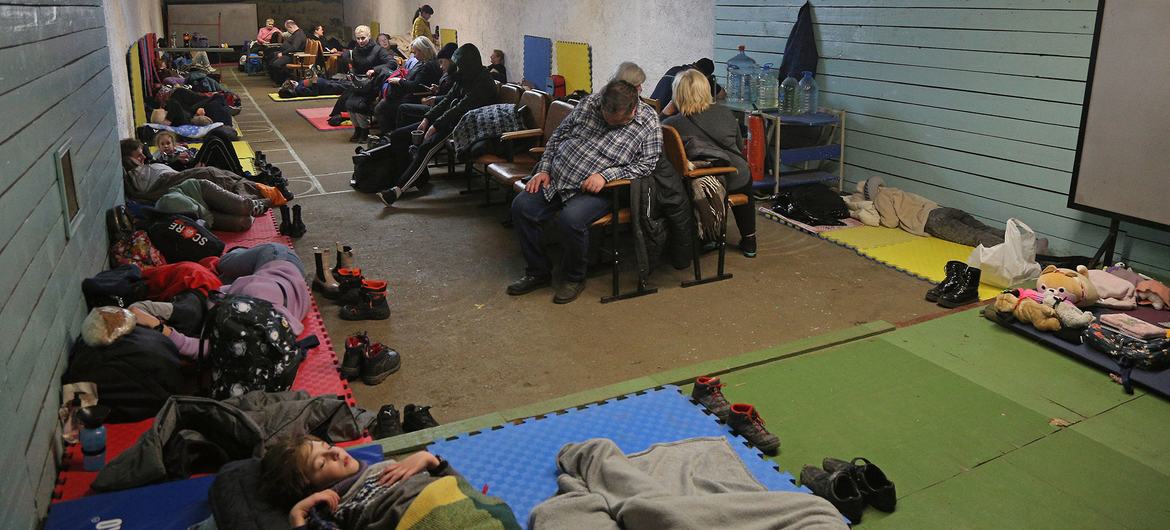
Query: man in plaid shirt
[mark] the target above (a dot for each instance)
(610, 135)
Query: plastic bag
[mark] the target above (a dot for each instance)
(1011, 262)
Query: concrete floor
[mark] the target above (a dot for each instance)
(469, 349)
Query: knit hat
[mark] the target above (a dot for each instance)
(448, 50)
(705, 65)
(870, 187)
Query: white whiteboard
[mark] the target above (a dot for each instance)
(230, 23)
(1123, 158)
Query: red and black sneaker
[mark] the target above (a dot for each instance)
(356, 347)
(379, 362)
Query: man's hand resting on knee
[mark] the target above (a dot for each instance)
(538, 182)
(594, 183)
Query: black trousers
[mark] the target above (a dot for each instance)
(215, 152)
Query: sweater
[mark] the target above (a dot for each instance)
(902, 209)
(421, 28)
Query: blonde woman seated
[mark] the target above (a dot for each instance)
(698, 117)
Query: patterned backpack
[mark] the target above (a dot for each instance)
(250, 346)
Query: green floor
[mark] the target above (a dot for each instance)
(957, 412)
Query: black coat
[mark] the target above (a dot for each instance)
(473, 89)
(664, 216)
(423, 75)
(295, 43)
(369, 57)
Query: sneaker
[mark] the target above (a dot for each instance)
(389, 196)
(568, 291)
(875, 488)
(527, 284)
(745, 421)
(417, 418)
(838, 488)
(387, 423)
(747, 245)
(355, 348)
(707, 392)
(335, 121)
(379, 362)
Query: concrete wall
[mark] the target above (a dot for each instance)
(126, 22)
(56, 89)
(973, 103)
(656, 34)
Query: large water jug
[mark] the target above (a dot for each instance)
(808, 95)
(741, 73)
(788, 89)
(767, 88)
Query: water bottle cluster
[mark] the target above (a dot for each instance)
(750, 84)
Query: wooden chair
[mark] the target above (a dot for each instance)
(506, 173)
(537, 103)
(653, 104)
(672, 147)
(303, 61)
(505, 93)
(509, 93)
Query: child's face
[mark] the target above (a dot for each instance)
(326, 464)
(166, 144)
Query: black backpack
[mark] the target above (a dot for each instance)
(250, 346)
(372, 169)
(180, 238)
(135, 375)
(813, 204)
(119, 286)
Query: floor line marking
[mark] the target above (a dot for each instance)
(305, 168)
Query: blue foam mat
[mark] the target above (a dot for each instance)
(176, 505)
(518, 462)
(538, 61)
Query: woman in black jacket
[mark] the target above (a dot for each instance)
(365, 59)
(409, 89)
(473, 88)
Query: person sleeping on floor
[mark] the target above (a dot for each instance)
(147, 181)
(329, 489)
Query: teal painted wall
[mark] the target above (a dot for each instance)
(973, 103)
(55, 89)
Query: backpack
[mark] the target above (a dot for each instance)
(127, 244)
(812, 204)
(119, 286)
(372, 169)
(250, 346)
(180, 238)
(135, 375)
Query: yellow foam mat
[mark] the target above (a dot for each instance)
(448, 35)
(863, 237)
(274, 96)
(925, 257)
(575, 62)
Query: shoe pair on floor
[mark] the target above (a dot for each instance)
(849, 486)
(414, 418)
(372, 362)
(291, 223)
(960, 287)
(360, 298)
(741, 417)
(565, 292)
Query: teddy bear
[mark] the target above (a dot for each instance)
(1025, 308)
(1073, 286)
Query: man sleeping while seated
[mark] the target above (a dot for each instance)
(328, 488)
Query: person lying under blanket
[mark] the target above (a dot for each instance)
(148, 182)
(327, 489)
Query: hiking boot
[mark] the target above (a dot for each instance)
(568, 291)
(965, 292)
(949, 283)
(746, 422)
(875, 488)
(356, 347)
(527, 284)
(417, 418)
(386, 424)
(707, 392)
(379, 362)
(838, 488)
(372, 304)
(349, 282)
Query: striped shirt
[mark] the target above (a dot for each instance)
(584, 144)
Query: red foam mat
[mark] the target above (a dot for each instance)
(317, 375)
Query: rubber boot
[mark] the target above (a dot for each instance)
(372, 304)
(344, 257)
(952, 268)
(323, 280)
(966, 292)
(297, 229)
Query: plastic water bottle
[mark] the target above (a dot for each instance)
(768, 88)
(93, 436)
(741, 71)
(808, 94)
(788, 89)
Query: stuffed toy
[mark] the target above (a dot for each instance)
(106, 324)
(1026, 309)
(1073, 286)
(1153, 293)
(1070, 316)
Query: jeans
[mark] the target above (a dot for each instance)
(957, 226)
(531, 210)
(241, 261)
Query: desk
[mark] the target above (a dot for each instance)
(825, 117)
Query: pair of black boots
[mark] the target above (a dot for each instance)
(414, 418)
(269, 175)
(291, 223)
(960, 287)
(850, 486)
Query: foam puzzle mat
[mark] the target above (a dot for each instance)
(274, 96)
(517, 462)
(538, 61)
(575, 62)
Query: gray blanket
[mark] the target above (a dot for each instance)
(699, 483)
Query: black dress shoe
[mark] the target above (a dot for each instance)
(950, 282)
(568, 291)
(417, 418)
(966, 292)
(527, 284)
(837, 488)
(875, 488)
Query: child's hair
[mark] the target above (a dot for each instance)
(282, 474)
(158, 136)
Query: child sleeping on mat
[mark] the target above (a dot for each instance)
(330, 489)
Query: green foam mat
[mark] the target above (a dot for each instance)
(1138, 429)
(921, 423)
(1029, 373)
